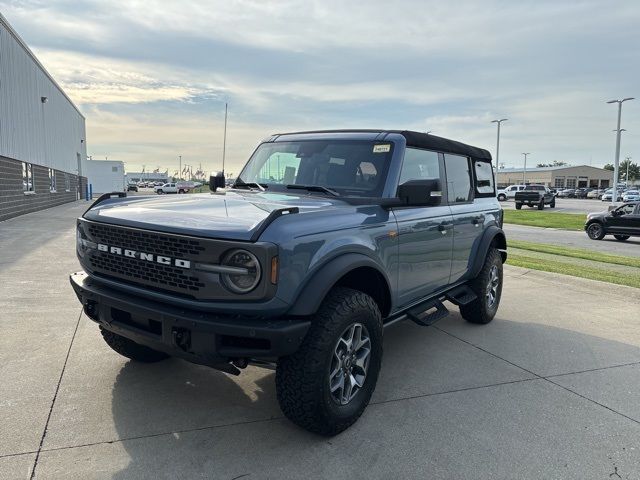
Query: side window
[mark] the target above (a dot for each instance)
(419, 165)
(484, 178)
(458, 178)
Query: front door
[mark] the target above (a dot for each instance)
(425, 234)
(626, 221)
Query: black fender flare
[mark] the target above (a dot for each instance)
(492, 233)
(316, 288)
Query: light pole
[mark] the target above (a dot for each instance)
(180, 167)
(524, 172)
(616, 165)
(499, 122)
(626, 178)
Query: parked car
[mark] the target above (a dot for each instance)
(302, 275)
(631, 196)
(582, 192)
(597, 193)
(621, 222)
(509, 192)
(535, 196)
(567, 193)
(608, 194)
(132, 187)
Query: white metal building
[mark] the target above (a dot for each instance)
(42, 132)
(105, 176)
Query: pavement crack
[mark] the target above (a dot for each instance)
(55, 396)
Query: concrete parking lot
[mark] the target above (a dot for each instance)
(550, 389)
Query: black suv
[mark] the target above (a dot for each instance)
(622, 222)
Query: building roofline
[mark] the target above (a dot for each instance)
(24, 46)
(549, 169)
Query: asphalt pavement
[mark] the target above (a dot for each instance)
(568, 205)
(572, 238)
(549, 389)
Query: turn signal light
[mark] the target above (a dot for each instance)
(274, 270)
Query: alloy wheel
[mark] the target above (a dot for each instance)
(492, 286)
(349, 363)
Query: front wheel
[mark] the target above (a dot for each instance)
(488, 288)
(622, 238)
(553, 203)
(595, 231)
(325, 386)
(502, 197)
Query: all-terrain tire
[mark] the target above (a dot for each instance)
(541, 204)
(518, 206)
(481, 310)
(622, 238)
(502, 197)
(553, 203)
(130, 349)
(302, 379)
(595, 231)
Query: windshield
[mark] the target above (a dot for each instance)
(343, 167)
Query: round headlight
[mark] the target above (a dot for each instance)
(248, 271)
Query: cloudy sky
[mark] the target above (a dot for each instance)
(152, 76)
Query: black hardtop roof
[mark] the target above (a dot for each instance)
(414, 139)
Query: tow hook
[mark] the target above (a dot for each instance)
(181, 338)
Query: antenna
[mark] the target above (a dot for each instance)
(224, 140)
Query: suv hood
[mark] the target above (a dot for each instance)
(234, 215)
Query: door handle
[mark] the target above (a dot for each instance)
(442, 228)
(478, 220)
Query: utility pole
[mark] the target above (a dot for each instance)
(616, 165)
(180, 168)
(524, 172)
(499, 122)
(224, 140)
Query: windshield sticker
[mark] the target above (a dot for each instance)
(381, 148)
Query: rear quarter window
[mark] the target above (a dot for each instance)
(484, 184)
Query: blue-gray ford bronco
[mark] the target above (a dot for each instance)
(324, 239)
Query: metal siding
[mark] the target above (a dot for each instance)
(46, 134)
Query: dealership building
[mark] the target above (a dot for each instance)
(557, 177)
(42, 133)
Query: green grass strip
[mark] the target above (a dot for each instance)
(538, 218)
(576, 253)
(574, 270)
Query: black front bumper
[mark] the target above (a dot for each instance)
(198, 337)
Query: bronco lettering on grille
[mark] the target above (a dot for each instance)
(149, 257)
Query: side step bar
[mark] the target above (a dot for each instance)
(461, 295)
(428, 313)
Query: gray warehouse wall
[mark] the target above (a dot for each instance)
(47, 134)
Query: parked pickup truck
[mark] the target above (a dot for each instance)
(535, 196)
(180, 187)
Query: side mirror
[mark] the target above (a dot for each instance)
(216, 181)
(418, 193)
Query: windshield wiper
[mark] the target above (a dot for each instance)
(260, 186)
(313, 188)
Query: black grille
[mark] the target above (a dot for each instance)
(171, 246)
(135, 270)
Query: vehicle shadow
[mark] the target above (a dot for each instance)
(181, 404)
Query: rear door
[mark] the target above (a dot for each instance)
(467, 220)
(425, 234)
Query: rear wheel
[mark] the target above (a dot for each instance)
(518, 206)
(553, 203)
(130, 349)
(325, 386)
(488, 288)
(595, 231)
(622, 238)
(541, 204)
